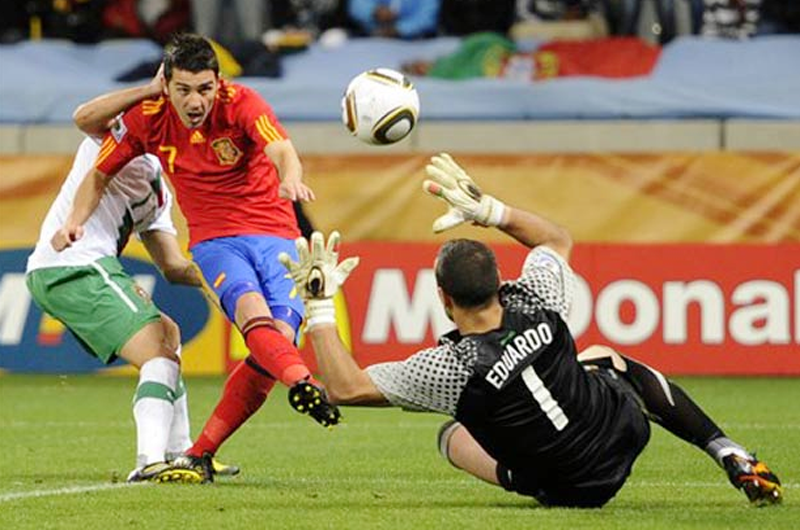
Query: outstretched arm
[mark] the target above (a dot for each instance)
(466, 202)
(533, 230)
(88, 196)
(345, 381)
(96, 116)
(317, 275)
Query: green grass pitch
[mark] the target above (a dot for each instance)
(67, 443)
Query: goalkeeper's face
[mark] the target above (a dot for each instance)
(192, 95)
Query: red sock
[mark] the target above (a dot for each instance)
(244, 393)
(275, 354)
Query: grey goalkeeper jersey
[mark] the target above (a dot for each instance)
(433, 379)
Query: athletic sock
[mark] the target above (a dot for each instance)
(180, 438)
(673, 409)
(670, 407)
(153, 409)
(245, 391)
(273, 352)
(721, 447)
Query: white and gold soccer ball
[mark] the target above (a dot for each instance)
(380, 106)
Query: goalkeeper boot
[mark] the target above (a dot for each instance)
(308, 398)
(164, 472)
(202, 465)
(753, 477)
(224, 470)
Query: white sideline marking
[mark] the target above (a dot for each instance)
(63, 491)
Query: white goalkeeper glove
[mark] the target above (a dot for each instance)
(466, 201)
(317, 274)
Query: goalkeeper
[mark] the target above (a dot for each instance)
(529, 412)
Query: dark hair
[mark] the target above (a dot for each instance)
(466, 270)
(190, 52)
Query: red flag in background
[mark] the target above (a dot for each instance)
(615, 57)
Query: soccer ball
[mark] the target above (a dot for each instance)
(380, 106)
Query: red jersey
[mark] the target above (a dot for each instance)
(224, 182)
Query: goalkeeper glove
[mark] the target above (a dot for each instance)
(317, 274)
(465, 199)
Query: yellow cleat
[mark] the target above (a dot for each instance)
(163, 472)
(224, 470)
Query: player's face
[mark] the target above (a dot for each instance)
(192, 95)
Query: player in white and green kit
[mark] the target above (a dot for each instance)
(85, 287)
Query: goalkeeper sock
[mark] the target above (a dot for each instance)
(245, 391)
(720, 447)
(153, 409)
(669, 406)
(273, 352)
(180, 438)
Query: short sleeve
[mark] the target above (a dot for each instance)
(122, 143)
(257, 117)
(429, 381)
(546, 282)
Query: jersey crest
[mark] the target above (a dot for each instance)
(227, 152)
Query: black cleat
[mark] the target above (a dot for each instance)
(754, 478)
(202, 465)
(220, 469)
(307, 398)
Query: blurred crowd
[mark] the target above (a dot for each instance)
(296, 23)
(605, 38)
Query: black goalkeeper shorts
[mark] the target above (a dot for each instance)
(599, 485)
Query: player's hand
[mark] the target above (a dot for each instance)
(465, 199)
(66, 236)
(318, 274)
(296, 190)
(158, 83)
